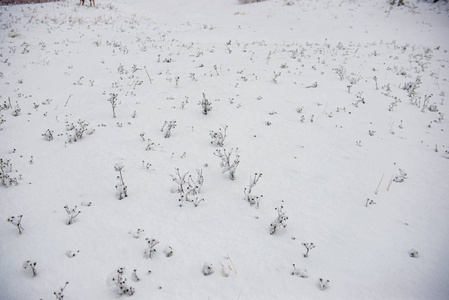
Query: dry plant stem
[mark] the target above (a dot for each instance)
(232, 263)
(121, 177)
(13, 221)
(249, 1)
(32, 266)
(325, 108)
(65, 105)
(377, 189)
(145, 67)
(391, 180)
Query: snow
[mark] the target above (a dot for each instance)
(60, 63)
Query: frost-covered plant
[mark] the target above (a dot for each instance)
(249, 196)
(134, 276)
(341, 72)
(121, 188)
(187, 186)
(71, 214)
(207, 269)
(180, 180)
(2, 120)
(433, 108)
(198, 182)
(205, 104)
(16, 110)
(400, 2)
(323, 283)
(17, 222)
(146, 166)
(360, 99)
(402, 176)
(121, 69)
(79, 129)
(377, 85)
(411, 87)
(369, 202)
(426, 102)
(167, 127)
(309, 246)
(113, 100)
(5, 168)
(30, 265)
(299, 272)
(354, 78)
(276, 75)
(168, 251)
(85, 203)
(122, 191)
(120, 283)
(60, 294)
(280, 221)
(249, 1)
(150, 145)
(71, 253)
(228, 267)
(136, 234)
(6, 105)
(70, 126)
(413, 253)
(48, 134)
(195, 201)
(218, 137)
(151, 250)
(79, 81)
(312, 86)
(227, 164)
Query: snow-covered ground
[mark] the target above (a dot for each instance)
(341, 105)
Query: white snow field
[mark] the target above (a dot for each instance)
(341, 105)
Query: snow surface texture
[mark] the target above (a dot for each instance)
(341, 105)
